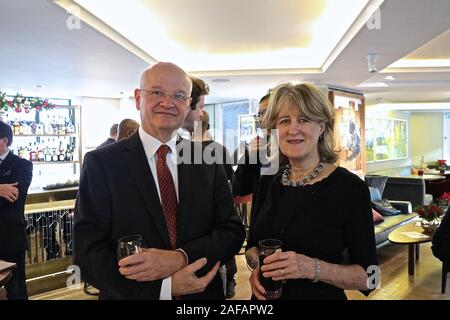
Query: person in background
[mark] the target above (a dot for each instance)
(247, 175)
(127, 127)
(15, 178)
(317, 209)
(200, 89)
(221, 155)
(112, 136)
(184, 212)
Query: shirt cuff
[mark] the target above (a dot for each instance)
(185, 255)
(166, 289)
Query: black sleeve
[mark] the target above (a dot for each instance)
(257, 222)
(22, 173)
(359, 235)
(245, 175)
(93, 251)
(441, 239)
(227, 234)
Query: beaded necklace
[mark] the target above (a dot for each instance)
(313, 174)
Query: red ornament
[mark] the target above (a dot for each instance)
(18, 110)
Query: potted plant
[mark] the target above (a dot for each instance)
(442, 165)
(431, 214)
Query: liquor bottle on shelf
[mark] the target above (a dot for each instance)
(61, 154)
(41, 154)
(48, 155)
(54, 155)
(69, 153)
(16, 127)
(32, 153)
(48, 127)
(39, 128)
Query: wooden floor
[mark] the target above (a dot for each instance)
(396, 283)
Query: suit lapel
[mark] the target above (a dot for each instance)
(137, 163)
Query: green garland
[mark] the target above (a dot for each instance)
(20, 103)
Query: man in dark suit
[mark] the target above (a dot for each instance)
(183, 211)
(15, 178)
(112, 136)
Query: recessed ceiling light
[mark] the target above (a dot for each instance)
(121, 92)
(390, 78)
(39, 86)
(218, 80)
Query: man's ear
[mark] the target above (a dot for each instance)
(137, 98)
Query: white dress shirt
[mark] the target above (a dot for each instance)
(3, 156)
(151, 145)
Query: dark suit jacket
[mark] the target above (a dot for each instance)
(118, 197)
(12, 220)
(106, 142)
(441, 239)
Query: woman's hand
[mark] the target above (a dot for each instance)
(257, 289)
(288, 265)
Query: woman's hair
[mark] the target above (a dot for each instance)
(313, 105)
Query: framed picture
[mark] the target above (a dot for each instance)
(389, 139)
(349, 130)
(246, 128)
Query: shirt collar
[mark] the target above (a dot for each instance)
(151, 144)
(3, 156)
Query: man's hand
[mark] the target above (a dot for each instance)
(9, 191)
(152, 264)
(186, 282)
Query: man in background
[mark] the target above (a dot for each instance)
(127, 127)
(247, 175)
(112, 136)
(200, 89)
(15, 178)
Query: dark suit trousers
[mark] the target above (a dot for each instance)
(16, 288)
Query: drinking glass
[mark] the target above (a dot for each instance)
(266, 248)
(129, 245)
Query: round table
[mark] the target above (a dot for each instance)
(400, 236)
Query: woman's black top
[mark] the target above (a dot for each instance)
(329, 220)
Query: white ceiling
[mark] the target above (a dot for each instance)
(38, 48)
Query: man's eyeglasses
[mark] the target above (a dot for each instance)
(156, 94)
(258, 115)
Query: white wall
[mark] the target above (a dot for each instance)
(97, 116)
(427, 136)
(127, 109)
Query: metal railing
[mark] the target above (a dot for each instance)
(49, 231)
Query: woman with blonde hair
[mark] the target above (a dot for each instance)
(317, 209)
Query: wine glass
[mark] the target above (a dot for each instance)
(129, 245)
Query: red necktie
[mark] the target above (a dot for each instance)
(168, 195)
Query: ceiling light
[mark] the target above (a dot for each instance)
(38, 86)
(390, 78)
(220, 80)
(372, 62)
